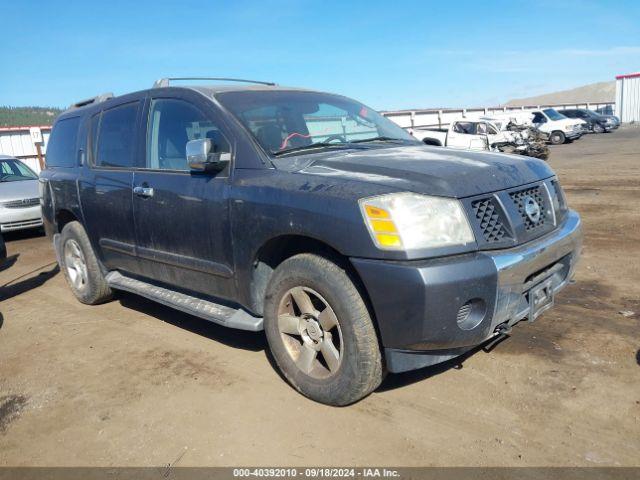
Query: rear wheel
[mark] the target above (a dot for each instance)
(80, 266)
(320, 332)
(557, 138)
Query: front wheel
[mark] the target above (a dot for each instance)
(320, 332)
(598, 128)
(557, 138)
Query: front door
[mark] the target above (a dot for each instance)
(182, 218)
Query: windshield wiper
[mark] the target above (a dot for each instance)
(379, 139)
(312, 146)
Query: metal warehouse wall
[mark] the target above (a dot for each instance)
(17, 142)
(628, 97)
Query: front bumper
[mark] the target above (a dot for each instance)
(20, 218)
(573, 134)
(417, 303)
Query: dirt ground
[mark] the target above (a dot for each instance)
(134, 383)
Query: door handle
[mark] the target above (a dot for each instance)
(143, 191)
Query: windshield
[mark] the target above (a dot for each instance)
(15, 171)
(553, 114)
(303, 122)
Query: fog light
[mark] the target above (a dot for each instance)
(471, 314)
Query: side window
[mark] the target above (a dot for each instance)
(468, 128)
(482, 128)
(173, 123)
(539, 118)
(491, 130)
(61, 150)
(92, 143)
(116, 137)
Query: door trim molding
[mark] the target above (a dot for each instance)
(168, 258)
(184, 261)
(116, 246)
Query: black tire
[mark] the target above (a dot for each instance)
(94, 289)
(597, 128)
(557, 138)
(360, 369)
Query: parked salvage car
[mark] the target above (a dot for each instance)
(612, 120)
(595, 122)
(19, 197)
(462, 133)
(560, 128)
(482, 134)
(526, 140)
(519, 139)
(608, 112)
(354, 246)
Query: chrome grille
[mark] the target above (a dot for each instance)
(519, 199)
(23, 203)
(490, 224)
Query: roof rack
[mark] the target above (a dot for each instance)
(164, 82)
(97, 99)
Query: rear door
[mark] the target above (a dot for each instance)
(106, 191)
(182, 218)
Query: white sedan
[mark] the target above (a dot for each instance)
(19, 196)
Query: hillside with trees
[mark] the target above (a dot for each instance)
(18, 116)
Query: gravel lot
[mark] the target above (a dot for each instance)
(134, 383)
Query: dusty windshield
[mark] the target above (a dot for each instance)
(284, 122)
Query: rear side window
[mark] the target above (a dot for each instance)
(61, 149)
(116, 137)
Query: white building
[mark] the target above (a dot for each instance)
(22, 142)
(628, 97)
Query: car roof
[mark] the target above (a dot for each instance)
(206, 90)
(214, 89)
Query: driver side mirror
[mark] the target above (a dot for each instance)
(201, 157)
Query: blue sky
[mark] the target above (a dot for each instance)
(390, 55)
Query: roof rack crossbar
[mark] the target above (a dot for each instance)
(164, 82)
(97, 99)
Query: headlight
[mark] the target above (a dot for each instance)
(407, 221)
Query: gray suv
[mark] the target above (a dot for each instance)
(356, 248)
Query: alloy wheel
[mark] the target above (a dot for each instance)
(76, 264)
(311, 332)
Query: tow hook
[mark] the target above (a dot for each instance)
(503, 329)
(501, 332)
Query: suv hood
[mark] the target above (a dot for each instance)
(430, 170)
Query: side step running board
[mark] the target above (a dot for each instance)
(227, 316)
